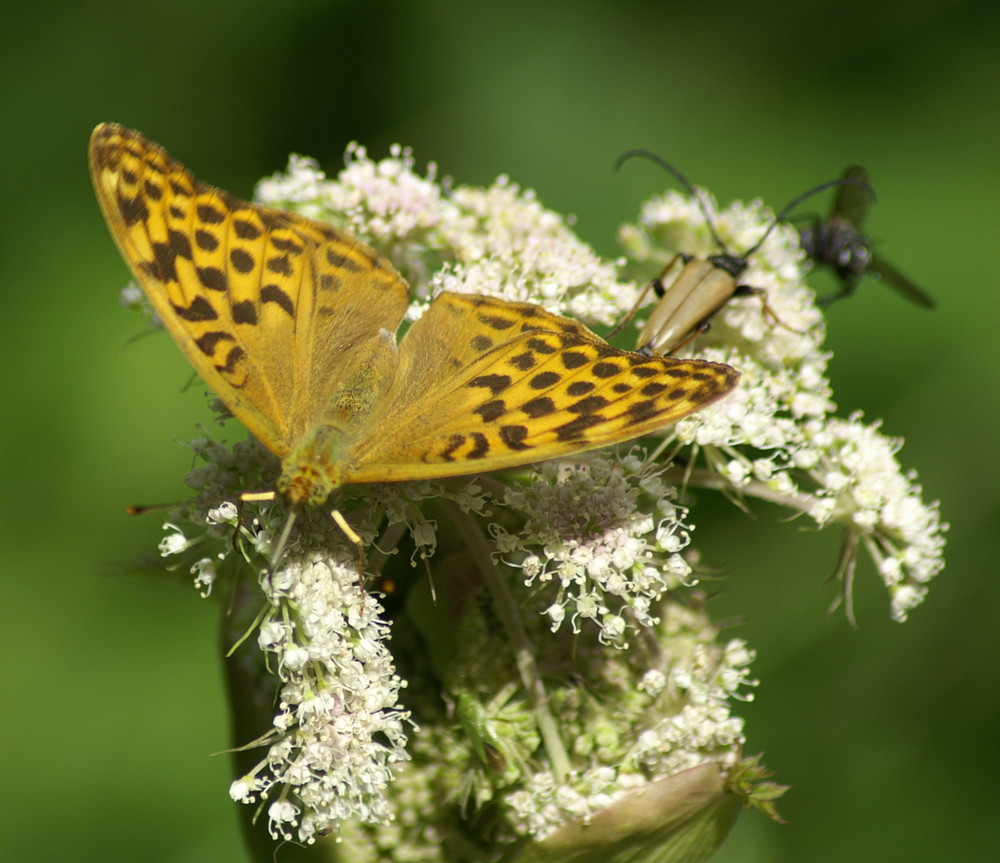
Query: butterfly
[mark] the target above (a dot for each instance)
(839, 244)
(701, 286)
(292, 323)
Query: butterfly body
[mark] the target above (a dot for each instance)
(292, 323)
(317, 463)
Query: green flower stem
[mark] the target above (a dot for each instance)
(507, 611)
(754, 488)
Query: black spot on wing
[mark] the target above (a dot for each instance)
(581, 388)
(206, 240)
(165, 255)
(492, 410)
(245, 312)
(132, 210)
(495, 322)
(644, 410)
(481, 447)
(540, 407)
(496, 384)
(246, 230)
(573, 359)
(541, 346)
(454, 442)
(513, 437)
(523, 361)
(274, 294)
(242, 260)
(199, 310)
(208, 213)
(605, 369)
(588, 405)
(288, 246)
(577, 428)
(335, 259)
(544, 380)
(213, 278)
(233, 359)
(280, 265)
(208, 342)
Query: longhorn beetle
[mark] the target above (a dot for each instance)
(703, 285)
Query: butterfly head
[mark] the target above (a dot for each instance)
(314, 468)
(302, 483)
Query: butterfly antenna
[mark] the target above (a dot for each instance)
(691, 190)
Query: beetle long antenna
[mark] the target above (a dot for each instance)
(691, 190)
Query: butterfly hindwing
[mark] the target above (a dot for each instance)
(499, 395)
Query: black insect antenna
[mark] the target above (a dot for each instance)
(840, 181)
(691, 190)
(788, 208)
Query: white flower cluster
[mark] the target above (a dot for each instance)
(776, 437)
(597, 539)
(499, 240)
(671, 712)
(607, 532)
(338, 732)
(860, 484)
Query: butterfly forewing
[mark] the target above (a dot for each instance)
(263, 302)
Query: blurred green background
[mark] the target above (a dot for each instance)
(111, 684)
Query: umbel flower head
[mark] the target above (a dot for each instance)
(526, 667)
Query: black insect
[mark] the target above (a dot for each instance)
(839, 244)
